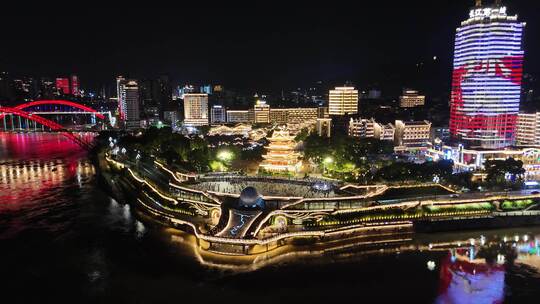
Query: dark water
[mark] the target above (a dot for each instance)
(63, 239)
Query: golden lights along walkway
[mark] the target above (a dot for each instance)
(274, 228)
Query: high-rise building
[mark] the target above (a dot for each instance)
(151, 114)
(46, 88)
(120, 81)
(207, 89)
(171, 117)
(299, 115)
(162, 95)
(218, 114)
(343, 101)
(6, 92)
(293, 115)
(261, 112)
(237, 116)
(486, 83)
(182, 90)
(74, 86)
(279, 116)
(62, 86)
(196, 109)
(411, 99)
(145, 91)
(24, 88)
(528, 129)
(128, 102)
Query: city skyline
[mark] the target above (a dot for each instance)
(294, 153)
(214, 46)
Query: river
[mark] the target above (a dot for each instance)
(64, 239)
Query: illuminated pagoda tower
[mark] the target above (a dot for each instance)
(486, 82)
(281, 155)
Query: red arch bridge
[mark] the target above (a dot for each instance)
(31, 113)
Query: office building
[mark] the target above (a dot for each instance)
(128, 102)
(238, 116)
(261, 112)
(206, 89)
(218, 114)
(300, 115)
(74, 85)
(62, 86)
(411, 99)
(343, 101)
(279, 116)
(171, 118)
(196, 109)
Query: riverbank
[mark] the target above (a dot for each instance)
(284, 225)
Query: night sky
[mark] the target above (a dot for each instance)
(252, 46)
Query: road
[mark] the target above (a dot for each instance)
(462, 196)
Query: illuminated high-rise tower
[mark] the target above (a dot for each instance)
(74, 85)
(128, 102)
(486, 83)
(62, 86)
(343, 101)
(196, 109)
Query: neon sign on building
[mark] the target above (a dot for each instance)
(486, 82)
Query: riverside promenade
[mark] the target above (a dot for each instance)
(227, 219)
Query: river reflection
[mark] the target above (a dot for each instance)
(476, 273)
(68, 241)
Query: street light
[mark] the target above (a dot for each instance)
(225, 155)
(326, 161)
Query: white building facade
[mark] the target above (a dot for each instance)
(343, 101)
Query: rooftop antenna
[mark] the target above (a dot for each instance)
(478, 3)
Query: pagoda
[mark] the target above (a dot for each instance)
(281, 155)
